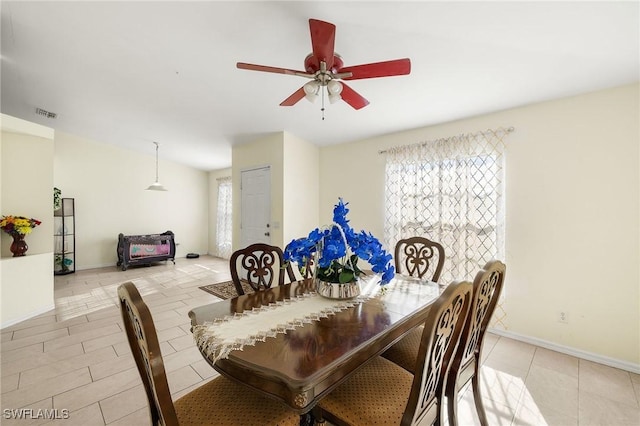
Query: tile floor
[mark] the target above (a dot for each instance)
(76, 358)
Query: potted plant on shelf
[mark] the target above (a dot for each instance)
(334, 251)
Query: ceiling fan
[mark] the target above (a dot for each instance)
(324, 67)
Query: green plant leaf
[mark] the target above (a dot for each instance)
(346, 277)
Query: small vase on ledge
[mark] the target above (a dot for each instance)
(19, 245)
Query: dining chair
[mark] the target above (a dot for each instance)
(382, 392)
(421, 258)
(219, 401)
(260, 265)
(465, 366)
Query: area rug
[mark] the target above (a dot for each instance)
(225, 289)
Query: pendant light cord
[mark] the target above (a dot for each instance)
(156, 161)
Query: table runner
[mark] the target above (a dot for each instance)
(218, 338)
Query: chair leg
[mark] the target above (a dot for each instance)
(477, 398)
(452, 403)
(316, 415)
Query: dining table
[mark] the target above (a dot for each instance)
(295, 346)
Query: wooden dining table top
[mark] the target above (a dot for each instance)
(301, 365)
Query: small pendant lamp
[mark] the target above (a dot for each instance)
(157, 186)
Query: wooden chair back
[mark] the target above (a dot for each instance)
(260, 265)
(143, 340)
(419, 257)
(440, 339)
(465, 366)
(487, 287)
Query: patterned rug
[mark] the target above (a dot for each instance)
(225, 289)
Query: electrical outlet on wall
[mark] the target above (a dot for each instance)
(563, 317)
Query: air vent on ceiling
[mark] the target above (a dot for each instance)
(45, 113)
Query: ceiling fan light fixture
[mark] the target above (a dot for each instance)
(311, 90)
(334, 88)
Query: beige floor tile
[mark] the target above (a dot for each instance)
(497, 414)
(182, 378)
(562, 363)
(121, 405)
(182, 342)
(63, 366)
(608, 382)
(10, 355)
(598, 410)
(112, 339)
(47, 318)
(203, 368)
(37, 413)
(40, 359)
(24, 396)
(30, 331)
(9, 382)
(501, 387)
(181, 359)
(87, 416)
(111, 366)
(170, 334)
(553, 391)
(37, 338)
(532, 415)
(98, 390)
(139, 417)
(90, 326)
(66, 340)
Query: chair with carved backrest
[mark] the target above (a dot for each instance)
(465, 366)
(260, 265)
(421, 258)
(219, 401)
(382, 392)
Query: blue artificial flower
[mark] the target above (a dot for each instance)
(333, 245)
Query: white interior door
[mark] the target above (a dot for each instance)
(256, 206)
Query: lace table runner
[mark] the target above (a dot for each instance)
(218, 338)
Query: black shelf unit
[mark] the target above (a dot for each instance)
(64, 238)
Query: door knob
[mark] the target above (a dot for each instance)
(266, 234)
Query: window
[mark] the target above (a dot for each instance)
(224, 221)
(450, 191)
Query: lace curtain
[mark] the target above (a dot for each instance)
(451, 191)
(223, 228)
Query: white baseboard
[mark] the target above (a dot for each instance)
(589, 356)
(28, 316)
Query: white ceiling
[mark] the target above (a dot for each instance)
(129, 73)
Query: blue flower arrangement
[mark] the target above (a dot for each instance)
(338, 248)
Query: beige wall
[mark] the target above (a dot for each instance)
(108, 184)
(301, 187)
(295, 184)
(266, 151)
(26, 282)
(573, 217)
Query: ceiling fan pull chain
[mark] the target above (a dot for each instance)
(322, 109)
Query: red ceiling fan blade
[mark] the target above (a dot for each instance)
(294, 98)
(254, 67)
(351, 97)
(378, 69)
(323, 36)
